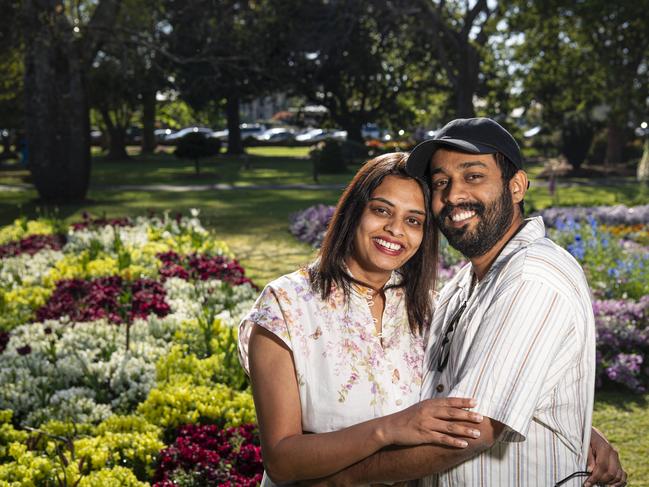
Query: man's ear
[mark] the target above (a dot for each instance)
(518, 186)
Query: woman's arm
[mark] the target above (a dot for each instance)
(289, 455)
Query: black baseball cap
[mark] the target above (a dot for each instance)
(472, 135)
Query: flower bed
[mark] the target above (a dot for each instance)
(115, 335)
(612, 245)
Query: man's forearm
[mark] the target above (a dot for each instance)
(402, 463)
(408, 463)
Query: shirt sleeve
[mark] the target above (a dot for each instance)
(522, 334)
(267, 312)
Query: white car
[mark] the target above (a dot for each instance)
(314, 136)
(276, 135)
(248, 131)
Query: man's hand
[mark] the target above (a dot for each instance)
(604, 463)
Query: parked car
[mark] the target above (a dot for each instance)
(96, 136)
(173, 138)
(313, 136)
(161, 135)
(249, 131)
(276, 135)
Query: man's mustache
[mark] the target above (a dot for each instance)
(479, 209)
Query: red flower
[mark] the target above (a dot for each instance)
(212, 456)
(4, 340)
(31, 245)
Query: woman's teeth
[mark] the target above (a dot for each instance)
(387, 245)
(463, 215)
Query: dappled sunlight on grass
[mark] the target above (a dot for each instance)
(624, 419)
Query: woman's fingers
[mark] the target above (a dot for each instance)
(456, 402)
(446, 440)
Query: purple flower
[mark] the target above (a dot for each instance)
(310, 225)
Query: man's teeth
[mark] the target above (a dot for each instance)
(387, 245)
(463, 215)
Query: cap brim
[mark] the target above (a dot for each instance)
(420, 157)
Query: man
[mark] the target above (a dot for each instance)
(514, 329)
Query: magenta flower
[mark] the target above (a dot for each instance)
(212, 456)
(31, 245)
(106, 297)
(202, 267)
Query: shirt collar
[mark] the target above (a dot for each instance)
(393, 281)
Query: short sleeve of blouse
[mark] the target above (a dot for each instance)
(268, 312)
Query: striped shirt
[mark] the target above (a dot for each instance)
(524, 348)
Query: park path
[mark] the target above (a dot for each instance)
(181, 188)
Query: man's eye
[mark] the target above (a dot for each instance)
(474, 177)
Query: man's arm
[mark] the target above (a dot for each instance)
(408, 463)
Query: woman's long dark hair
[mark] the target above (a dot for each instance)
(417, 274)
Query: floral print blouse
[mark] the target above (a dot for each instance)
(346, 373)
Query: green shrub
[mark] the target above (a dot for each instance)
(196, 146)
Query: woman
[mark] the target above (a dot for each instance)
(337, 349)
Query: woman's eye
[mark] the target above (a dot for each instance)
(440, 183)
(414, 221)
(380, 211)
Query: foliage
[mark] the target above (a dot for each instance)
(602, 44)
(357, 61)
(171, 405)
(196, 146)
(576, 138)
(328, 158)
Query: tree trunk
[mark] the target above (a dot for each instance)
(116, 138)
(643, 166)
(56, 109)
(464, 101)
(235, 145)
(148, 122)
(466, 82)
(614, 144)
(353, 131)
(117, 145)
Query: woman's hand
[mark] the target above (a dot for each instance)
(604, 463)
(437, 421)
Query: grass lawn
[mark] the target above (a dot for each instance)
(255, 225)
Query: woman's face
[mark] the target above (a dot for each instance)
(391, 228)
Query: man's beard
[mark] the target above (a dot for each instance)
(494, 221)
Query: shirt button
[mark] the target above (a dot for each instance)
(440, 388)
(399, 402)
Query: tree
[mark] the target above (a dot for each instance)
(61, 41)
(11, 67)
(127, 74)
(225, 50)
(580, 57)
(356, 58)
(456, 37)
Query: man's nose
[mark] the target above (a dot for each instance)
(455, 193)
